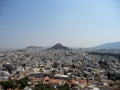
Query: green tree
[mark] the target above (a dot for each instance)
(43, 87)
(63, 87)
(23, 82)
(9, 84)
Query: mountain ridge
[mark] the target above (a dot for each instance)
(32, 47)
(111, 45)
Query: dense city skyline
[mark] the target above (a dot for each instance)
(78, 23)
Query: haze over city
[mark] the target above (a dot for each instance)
(59, 44)
(74, 23)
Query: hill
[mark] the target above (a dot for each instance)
(114, 45)
(59, 46)
(33, 47)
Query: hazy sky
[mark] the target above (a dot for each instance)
(74, 23)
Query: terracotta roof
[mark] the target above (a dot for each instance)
(53, 81)
(37, 80)
(73, 81)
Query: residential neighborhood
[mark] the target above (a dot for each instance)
(77, 69)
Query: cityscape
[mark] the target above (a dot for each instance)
(59, 45)
(60, 67)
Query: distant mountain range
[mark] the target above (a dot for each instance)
(56, 46)
(114, 45)
(33, 47)
(59, 46)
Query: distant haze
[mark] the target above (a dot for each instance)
(114, 45)
(73, 23)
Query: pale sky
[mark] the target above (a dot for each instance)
(73, 23)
